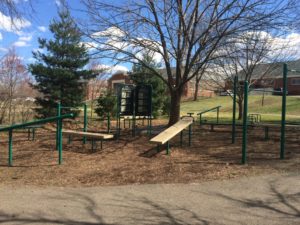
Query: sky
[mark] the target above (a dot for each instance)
(24, 36)
(30, 28)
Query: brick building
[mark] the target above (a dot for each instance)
(188, 92)
(119, 77)
(271, 76)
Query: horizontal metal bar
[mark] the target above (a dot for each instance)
(258, 90)
(46, 120)
(200, 113)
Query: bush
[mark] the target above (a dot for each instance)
(106, 105)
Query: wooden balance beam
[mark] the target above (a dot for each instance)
(94, 136)
(166, 135)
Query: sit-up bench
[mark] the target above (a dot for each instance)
(166, 135)
(93, 136)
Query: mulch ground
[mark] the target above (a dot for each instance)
(134, 160)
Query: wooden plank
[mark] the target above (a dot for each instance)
(88, 134)
(172, 131)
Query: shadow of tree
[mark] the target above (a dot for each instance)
(282, 204)
(140, 210)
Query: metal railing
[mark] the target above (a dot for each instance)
(42, 121)
(209, 110)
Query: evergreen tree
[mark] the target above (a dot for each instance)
(59, 72)
(142, 75)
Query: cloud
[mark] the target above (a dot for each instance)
(288, 45)
(58, 3)
(115, 39)
(3, 49)
(23, 40)
(1, 37)
(20, 44)
(42, 28)
(111, 69)
(13, 24)
(26, 38)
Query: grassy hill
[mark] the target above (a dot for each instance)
(270, 111)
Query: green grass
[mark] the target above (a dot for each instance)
(270, 111)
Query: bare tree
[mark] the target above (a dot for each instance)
(251, 57)
(16, 9)
(12, 73)
(185, 34)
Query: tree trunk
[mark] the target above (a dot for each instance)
(196, 90)
(175, 106)
(240, 106)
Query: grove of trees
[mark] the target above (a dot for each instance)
(187, 35)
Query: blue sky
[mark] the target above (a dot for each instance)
(32, 27)
(24, 39)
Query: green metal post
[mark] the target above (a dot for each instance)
(190, 135)
(133, 126)
(33, 134)
(58, 113)
(233, 131)
(283, 112)
(181, 138)
(266, 133)
(157, 148)
(69, 139)
(108, 123)
(60, 142)
(10, 151)
(168, 148)
(245, 116)
(84, 121)
(200, 119)
(28, 134)
(150, 124)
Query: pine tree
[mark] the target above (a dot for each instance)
(142, 75)
(59, 72)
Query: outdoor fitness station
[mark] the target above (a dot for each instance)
(245, 118)
(252, 120)
(84, 133)
(58, 119)
(133, 103)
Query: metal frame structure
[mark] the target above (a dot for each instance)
(85, 120)
(217, 108)
(131, 103)
(32, 123)
(245, 115)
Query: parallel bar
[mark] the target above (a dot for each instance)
(258, 90)
(283, 112)
(47, 120)
(245, 125)
(208, 110)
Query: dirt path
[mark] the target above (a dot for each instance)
(272, 199)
